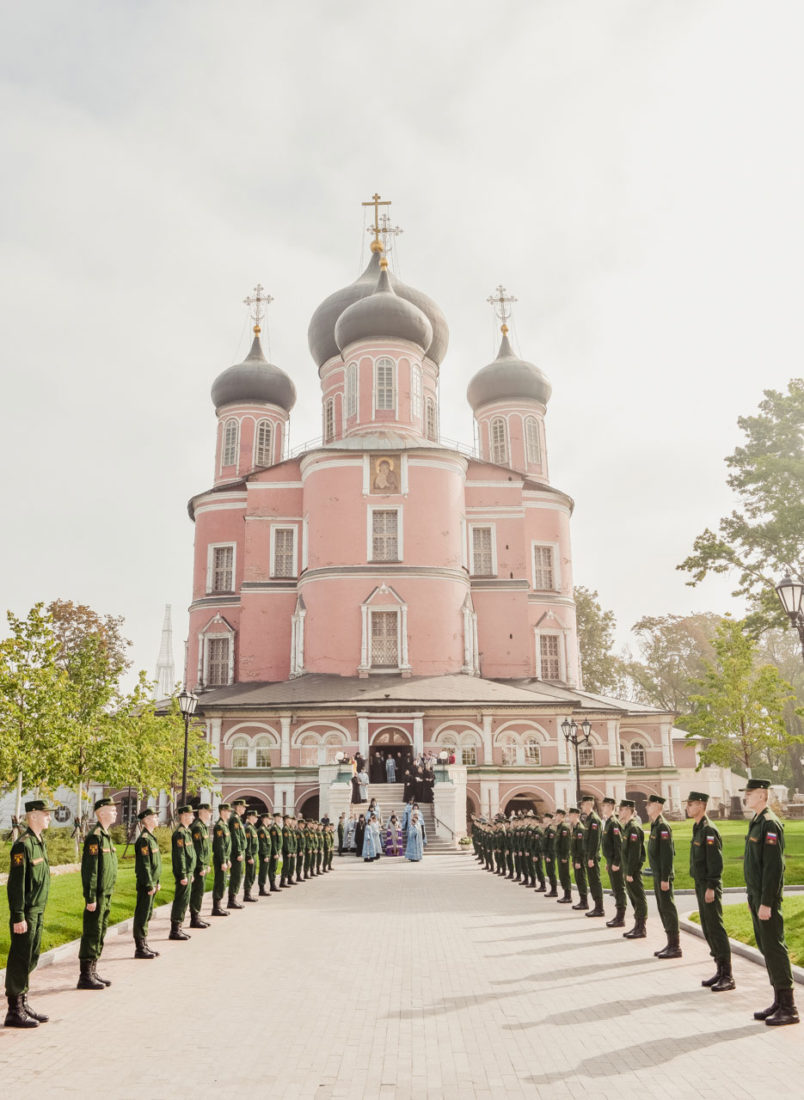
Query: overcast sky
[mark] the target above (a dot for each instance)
(630, 169)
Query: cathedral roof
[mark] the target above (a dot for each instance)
(383, 314)
(508, 377)
(254, 380)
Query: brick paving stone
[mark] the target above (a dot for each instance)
(399, 980)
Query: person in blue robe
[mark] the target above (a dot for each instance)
(414, 849)
(371, 840)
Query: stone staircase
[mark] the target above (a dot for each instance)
(390, 798)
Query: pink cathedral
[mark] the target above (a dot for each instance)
(383, 591)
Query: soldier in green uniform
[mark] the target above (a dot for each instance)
(563, 856)
(276, 850)
(706, 870)
(288, 851)
(633, 859)
(302, 850)
(330, 849)
(537, 856)
(661, 857)
(549, 846)
(499, 848)
(98, 876)
(251, 853)
(578, 849)
(763, 867)
(238, 834)
(593, 834)
(183, 858)
(264, 850)
(611, 846)
(509, 850)
(518, 851)
(221, 859)
(199, 831)
(148, 875)
(27, 888)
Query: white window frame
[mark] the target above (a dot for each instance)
(397, 613)
(493, 528)
(431, 423)
(262, 741)
(329, 420)
(562, 664)
(272, 430)
(586, 756)
(642, 750)
(213, 546)
(352, 391)
(240, 743)
(223, 637)
(530, 744)
(495, 457)
(297, 639)
(384, 360)
(554, 546)
(370, 535)
(416, 392)
(391, 602)
(225, 445)
(533, 446)
(295, 562)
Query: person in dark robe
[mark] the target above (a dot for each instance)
(360, 832)
(409, 788)
(420, 784)
(356, 798)
(377, 770)
(429, 784)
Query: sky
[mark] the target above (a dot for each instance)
(631, 170)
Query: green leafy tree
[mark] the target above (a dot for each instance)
(602, 671)
(764, 536)
(739, 706)
(673, 655)
(781, 648)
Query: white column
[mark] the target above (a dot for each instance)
(418, 736)
(362, 737)
(561, 741)
(284, 751)
(614, 746)
(667, 747)
(488, 743)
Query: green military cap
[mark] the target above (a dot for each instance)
(756, 785)
(185, 810)
(264, 814)
(277, 813)
(697, 796)
(610, 801)
(38, 805)
(627, 804)
(224, 806)
(103, 802)
(573, 810)
(657, 798)
(587, 798)
(239, 802)
(547, 815)
(147, 812)
(558, 811)
(251, 812)
(203, 806)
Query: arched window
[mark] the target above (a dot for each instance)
(329, 421)
(468, 755)
(509, 751)
(499, 443)
(532, 444)
(384, 387)
(416, 392)
(533, 754)
(263, 753)
(263, 440)
(431, 427)
(622, 757)
(351, 390)
(231, 433)
(239, 748)
(637, 755)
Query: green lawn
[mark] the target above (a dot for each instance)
(733, 833)
(740, 927)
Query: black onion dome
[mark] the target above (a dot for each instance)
(254, 380)
(508, 377)
(383, 314)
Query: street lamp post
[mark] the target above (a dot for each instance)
(791, 597)
(576, 735)
(187, 704)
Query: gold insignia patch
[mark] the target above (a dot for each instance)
(180, 842)
(145, 849)
(93, 849)
(18, 858)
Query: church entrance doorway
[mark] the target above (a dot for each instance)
(394, 744)
(523, 803)
(309, 809)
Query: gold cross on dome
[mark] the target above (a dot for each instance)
(376, 202)
(501, 302)
(256, 302)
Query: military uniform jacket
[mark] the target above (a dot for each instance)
(706, 854)
(661, 850)
(763, 863)
(538, 841)
(264, 844)
(578, 843)
(98, 864)
(28, 876)
(549, 841)
(276, 839)
(252, 843)
(288, 842)
(593, 829)
(147, 861)
(633, 848)
(563, 841)
(203, 849)
(612, 842)
(183, 852)
(238, 834)
(221, 842)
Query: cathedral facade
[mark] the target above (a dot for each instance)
(384, 591)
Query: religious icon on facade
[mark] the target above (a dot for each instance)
(385, 474)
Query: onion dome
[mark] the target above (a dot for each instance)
(508, 378)
(321, 332)
(383, 314)
(254, 381)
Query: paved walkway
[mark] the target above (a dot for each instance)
(402, 980)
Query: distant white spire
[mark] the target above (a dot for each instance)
(165, 666)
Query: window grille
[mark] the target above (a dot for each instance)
(230, 438)
(416, 393)
(351, 390)
(240, 753)
(499, 445)
(431, 428)
(385, 397)
(329, 421)
(543, 574)
(469, 755)
(550, 657)
(384, 639)
(638, 755)
(509, 753)
(222, 569)
(263, 756)
(533, 754)
(264, 440)
(384, 535)
(482, 557)
(532, 443)
(217, 662)
(284, 563)
(586, 756)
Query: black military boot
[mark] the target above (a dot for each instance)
(38, 1016)
(247, 897)
(786, 1013)
(619, 919)
(233, 903)
(96, 975)
(219, 911)
(176, 932)
(709, 982)
(725, 981)
(553, 893)
(567, 899)
(196, 922)
(264, 893)
(88, 979)
(582, 903)
(766, 1012)
(639, 931)
(598, 910)
(142, 950)
(149, 948)
(673, 949)
(540, 889)
(16, 1015)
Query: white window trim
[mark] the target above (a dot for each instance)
(367, 663)
(352, 371)
(416, 393)
(537, 461)
(395, 375)
(297, 640)
(562, 654)
(507, 434)
(220, 636)
(329, 408)
(430, 402)
(471, 549)
(400, 549)
(272, 451)
(285, 527)
(236, 463)
(213, 546)
(556, 566)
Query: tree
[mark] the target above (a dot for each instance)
(674, 650)
(781, 648)
(764, 537)
(739, 707)
(602, 670)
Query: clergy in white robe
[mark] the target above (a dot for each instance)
(414, 850)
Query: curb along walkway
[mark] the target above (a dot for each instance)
(402, 980)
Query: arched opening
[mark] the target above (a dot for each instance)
(523, 802)
(472, 810)
(640, 800)
(390, 743)
(309, 808)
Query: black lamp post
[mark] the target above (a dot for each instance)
(791, 594)
(187, 704)
(577, 735)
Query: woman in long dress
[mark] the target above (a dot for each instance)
(371, 840)
(414, 849)
(393, 837)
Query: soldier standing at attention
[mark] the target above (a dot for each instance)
(593, 831)
(148, 874)
(537, 857)
(579, 857)
(706, 869)
(276, 850)
(288, 851)
(612, 848)
(264, 849)
(563, 845)
(183, 855)
(633, 859)
(199, 830)
(763, 867)
(661, 854)
(549, 846)
(251, 853)
(27, 889)
(98, 876)
(238, 835)
(221, 859)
